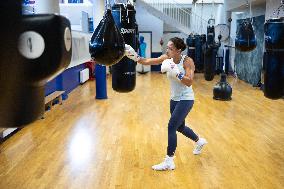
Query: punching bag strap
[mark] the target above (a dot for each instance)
(250, 12)
(108, 5)
(279, 8)
(127, 15)
(120, 15)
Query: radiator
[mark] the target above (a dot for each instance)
(84, 75)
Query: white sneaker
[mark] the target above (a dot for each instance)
(199, 145)
(167, 164)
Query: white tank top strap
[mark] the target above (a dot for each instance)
(182, 58)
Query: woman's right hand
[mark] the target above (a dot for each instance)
(130, 53)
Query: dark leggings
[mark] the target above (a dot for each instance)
(179, 111)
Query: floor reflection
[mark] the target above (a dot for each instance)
(81, 147)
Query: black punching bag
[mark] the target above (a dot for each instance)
(44, 51)
(210, 55)
(137, 38)
(274, 60)
(203, 47)
(245, 39)
(11, 64)
(222, 90)
(198, 53)
(210, 35)
(107, 44)
(190, 41)
(124, 72)
(52, 35)
(46, 45)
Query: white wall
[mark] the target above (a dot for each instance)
(271, 6)
(147, 22)
(80, 48)
(73, 12)
(99, 10)
(80, 40)
(207, 11)
(46, 6)
(169, 28)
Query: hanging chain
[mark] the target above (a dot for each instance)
(125, 3)
(195, 24)
(201, 26)
(107, 4)
(248, 5)
(250, 13)
(213, 9)
(279, 9)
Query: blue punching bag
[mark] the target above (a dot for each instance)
(190, 41)
(124, 72)
(101, 82)
(245, 38)
(274, 58)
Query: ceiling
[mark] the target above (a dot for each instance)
(235, 5)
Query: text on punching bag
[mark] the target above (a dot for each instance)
(123, 30)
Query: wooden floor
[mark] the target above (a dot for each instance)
(101, 144)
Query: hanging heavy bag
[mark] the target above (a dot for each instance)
(245, 39)
(222, 90)
(273, 75)
(203, 47)
(46, 45)
(190, 41)
(137, 37)
(209, 63)
(210, 55)
(210, 35)
(44, 51)
(198, 53)
(274, 34)
(274, 58)
(124, 72)
(11, 64)
(107, 44)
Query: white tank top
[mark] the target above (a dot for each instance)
(180, 91)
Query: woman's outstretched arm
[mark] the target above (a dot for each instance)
(152, 61)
